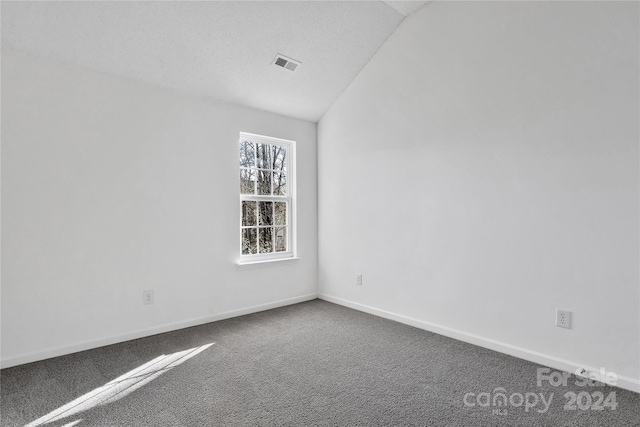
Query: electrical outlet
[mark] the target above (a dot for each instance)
(147, 297)
(359, 280)
(582, 372)
(563, 318)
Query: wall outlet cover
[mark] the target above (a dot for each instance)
(147, 297)
(563, 318)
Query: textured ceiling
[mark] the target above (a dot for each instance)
(222, 49)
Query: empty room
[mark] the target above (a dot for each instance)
(320, 213)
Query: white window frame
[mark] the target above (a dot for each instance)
(290, 198)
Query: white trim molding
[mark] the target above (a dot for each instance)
(88, 345)
(627, 383)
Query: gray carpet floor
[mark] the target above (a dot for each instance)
(308, 364)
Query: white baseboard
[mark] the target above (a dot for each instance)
(141, 333)
(624, 382)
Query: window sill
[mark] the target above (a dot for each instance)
(240, 265)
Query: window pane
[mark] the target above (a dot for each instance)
(247, 179)
(281, 213)
(279, 184)
(249, 241)
(263, 159)
(265, 207)
(247, 154)
(281, 239)
(249, 213)
(266, 213)
(264, 182)
(265, 238)
(279, 155)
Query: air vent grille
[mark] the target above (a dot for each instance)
(284, 62)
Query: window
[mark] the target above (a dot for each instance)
(266, 198)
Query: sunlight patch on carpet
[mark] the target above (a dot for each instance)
(121, 386)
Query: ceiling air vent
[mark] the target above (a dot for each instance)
(284, 62)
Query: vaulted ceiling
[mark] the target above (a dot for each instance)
(222, 49)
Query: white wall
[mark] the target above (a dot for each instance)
(111, 187)
(482, 170)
